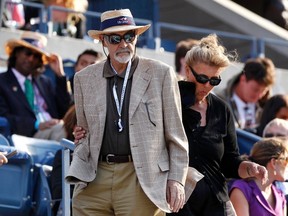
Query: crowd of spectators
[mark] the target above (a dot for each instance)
(248, 94)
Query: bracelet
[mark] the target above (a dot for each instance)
(36, 124)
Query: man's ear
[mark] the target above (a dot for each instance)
(243, 78)
(101, 38)
(272, 163)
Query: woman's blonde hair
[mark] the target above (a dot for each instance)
(209, 51)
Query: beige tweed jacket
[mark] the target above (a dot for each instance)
(157, 139)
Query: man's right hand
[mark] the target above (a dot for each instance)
(78, 133)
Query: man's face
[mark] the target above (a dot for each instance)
(121, 46)
(252, 91)
(84, 61)
(27, 61)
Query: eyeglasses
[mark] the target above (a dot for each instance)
(201, 78)
(129, 37)
(283, 158)
(29, 52)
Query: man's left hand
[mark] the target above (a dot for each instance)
(175, 195)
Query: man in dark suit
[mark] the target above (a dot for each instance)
(27, 97)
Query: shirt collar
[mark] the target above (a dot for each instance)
(20, 77)
(108, 71)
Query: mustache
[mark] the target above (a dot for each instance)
(124, 50)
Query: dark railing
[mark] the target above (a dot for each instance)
(190, 29)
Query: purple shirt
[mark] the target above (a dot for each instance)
(258, 205)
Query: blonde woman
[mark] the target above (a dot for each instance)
(252, 198)
(210, 130)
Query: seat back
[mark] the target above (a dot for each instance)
(246, 140)
(4, 127)
(16, 187)
(4, 141)
(42, 151)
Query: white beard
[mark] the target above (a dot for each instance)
(124, 58)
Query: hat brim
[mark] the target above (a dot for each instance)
(139, 30)
(11, 44)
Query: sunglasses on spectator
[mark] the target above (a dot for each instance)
(201, 78)
(128, 37)
(283, 158)
(29, 52)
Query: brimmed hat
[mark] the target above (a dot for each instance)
(117, 21)
(31, 40)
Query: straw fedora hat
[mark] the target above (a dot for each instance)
(117, 21)
(31, 40)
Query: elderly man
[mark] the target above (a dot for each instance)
(134, 157)
(27, 97)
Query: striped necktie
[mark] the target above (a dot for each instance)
(29, 92)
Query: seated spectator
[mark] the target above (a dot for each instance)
(68, 24)
(182, 48)
(27, 98)
(13, 15)
(87, 57)
(247, 91)
(252, 197)
(276, 128)
(275, 107)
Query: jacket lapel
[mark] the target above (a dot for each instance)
(141, 80)
(16, 89)
(99, 86)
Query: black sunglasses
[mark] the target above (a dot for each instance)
(129, 37)
(201, 78)
(29, 52)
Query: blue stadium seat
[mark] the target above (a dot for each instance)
(246, 140)
(4, 126)
(4, 141)
(42, 151)
(16, 188)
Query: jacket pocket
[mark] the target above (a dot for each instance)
(150, 113)
(164, 166)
